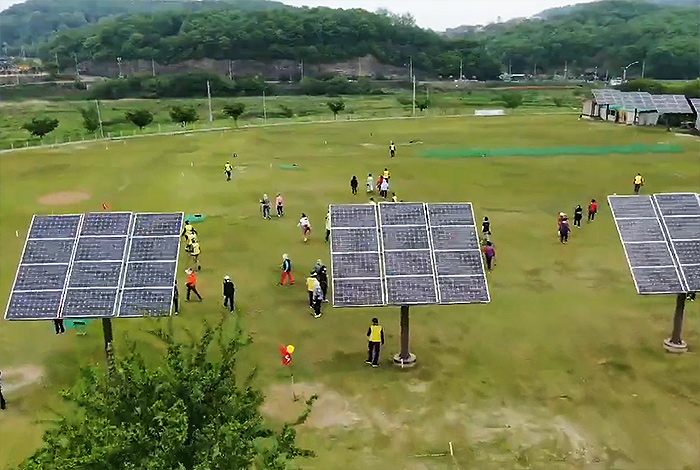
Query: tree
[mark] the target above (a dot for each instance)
(336, 106)
(558, 101)
(52, 69)
(512, 100)
(91, 121)
(183, 114)
(234, 110)
(189, 412)
(139, 117)
(422, 103)
(40, 126)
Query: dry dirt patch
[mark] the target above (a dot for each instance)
(19, 377)
(63, 198)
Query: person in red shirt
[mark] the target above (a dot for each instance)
(192, 284)
(490, 254)
(592, 210)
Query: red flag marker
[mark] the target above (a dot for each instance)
(105, 206)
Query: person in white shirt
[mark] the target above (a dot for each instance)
(328, 226)
(370, 184)
(384, 188)
(305, 226)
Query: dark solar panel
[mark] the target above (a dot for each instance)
(352, 215)
(48, 251)
(656, 280)
(649, 254)
(405, 238)
(408, 263)
(154, 248)
(357, 292)
(459, 263)
(150, 274)
(354, 240)
(633, 207)
(463, 289)
(640, 230)
(450, 214)
(55, 226)
(353, 265)
(100, 248)
(158, 225)
(96, 274)
(90, 303)
(678, 204)
(146, 302)
(455, 238)
(40, 305)
(688, 251)
(411, 290)
(106, 223)
(41, 277)
(402, 214)
(683, 228)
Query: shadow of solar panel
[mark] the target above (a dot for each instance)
(55, 226)
(455, 238)
(150, 275)
(640, 230)
(459, 263)
(411, 290)
(89, 303)
(657, 280)
(154, 249)
(450, 214)
(90, 274)
(43, 305)
(405, 238)
(41, 276)
(146, 302)
(354, 239)
(106, 223)
(357, 292)
(683, 228)
(402, 214)
(692, 277)
(408, 263)
(688, 251)
(100, 248)
(632, 206)
(356, 265)
(158, 225)
(48, 251)
(678, 204)
(352, 215)
(648, 254)
(463, 290)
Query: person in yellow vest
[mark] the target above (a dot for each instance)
(311, 282)
(227, 169)
(188, 229)
(386, 174)
(638, 183)
(190, 239)
(375, 335)
(195, 250)
(394, 198)
(392, 149)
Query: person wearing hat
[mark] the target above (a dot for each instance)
(322, 276)
(375, 335)
(227, 169)
(311, 283)
(229, 289)
(192, 284)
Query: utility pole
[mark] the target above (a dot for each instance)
(414, 96)
(359, 68)
(230, 70)
(410, 69)
(534, 70)
(461, 69)
(153, 67)
(566, 70)
(55, 56)
(302, 69)
(211, 116)
(99, 118)
(644, 67)
(77, 72)
(510, 67)
(265, 108)
(119, 64)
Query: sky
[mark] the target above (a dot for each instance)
(436, 14)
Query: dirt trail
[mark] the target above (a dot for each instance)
(16, 378)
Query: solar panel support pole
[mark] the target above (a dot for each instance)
(675, 344)
(107, 331)
(405, 358)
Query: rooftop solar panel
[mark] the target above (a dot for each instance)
(607, 97)
(671, 104)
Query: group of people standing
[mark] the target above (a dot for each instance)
(265, 204)
(563, 226)
(192, 245)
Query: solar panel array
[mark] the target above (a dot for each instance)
(671, 104)
(695, 103)
(661, 238)
(97, 265)
(638, 100)
(603, 97)
(405, 254)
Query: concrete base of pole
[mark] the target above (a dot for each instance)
(405, 363)
(675, 348)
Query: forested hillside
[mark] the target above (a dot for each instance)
(607, 35)
(318, 35)
(24, 23)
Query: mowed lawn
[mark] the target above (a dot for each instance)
(563, 369)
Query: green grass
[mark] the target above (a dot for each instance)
(305, 108)
(566, 357)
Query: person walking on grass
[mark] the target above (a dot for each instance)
(394, 198)
(353, 185)
(578, 216)
(392, 149)
(227, 169)
(370, 183)
(3, 403)
(318, 298)
(195, 251)
(386, 175)
(287, 275)
(311, 282)
(279, 202)
(384, 188)
(564, 230)
(592, 210)
(328, 225)
(638, 183)
(229, 290)
(58, 326)
(176, 300)
(192, 284)
(375, 336)
(486, 229)
(305, 227)
(265, 201)
(322, 276)
(490, 255)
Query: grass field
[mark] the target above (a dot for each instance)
(564, 369)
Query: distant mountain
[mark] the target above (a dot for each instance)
(28, 22)
(565, 10)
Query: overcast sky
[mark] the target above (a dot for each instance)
(435, 14)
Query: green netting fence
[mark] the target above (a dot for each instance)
(445, 154)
